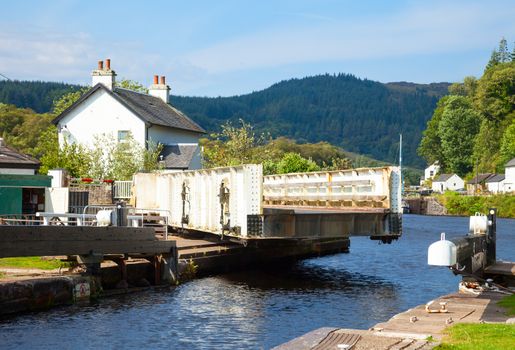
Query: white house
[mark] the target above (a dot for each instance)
(107, 109)
(446, 182)
(495, 184)
(431, 171)
(509, 177)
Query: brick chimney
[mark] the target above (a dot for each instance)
(103, 74)
(160, 89)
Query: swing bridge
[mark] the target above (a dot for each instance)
(242, 205)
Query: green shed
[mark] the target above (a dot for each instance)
(21, 191)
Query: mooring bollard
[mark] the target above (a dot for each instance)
(121, 213)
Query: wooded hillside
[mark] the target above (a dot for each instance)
(359, 115)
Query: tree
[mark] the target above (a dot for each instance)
(234, 146)
(457, 130)
(495, 94)
(151, 156)
(495, 100)
(295, 163)
(430, 147)
(120, 160)
(62, 103)
(21, 127)
(76, 159)
(507, 149)
(494, 60)
(467, 88)
(128, 84)
(504, 55)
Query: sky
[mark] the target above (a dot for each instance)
(234, 47)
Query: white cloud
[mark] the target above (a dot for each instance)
(42, 54)
(37, 55)
(425, 29)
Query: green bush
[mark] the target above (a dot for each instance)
(468, 205)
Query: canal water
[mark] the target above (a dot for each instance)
(259, 309)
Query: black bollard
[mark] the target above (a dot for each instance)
(121, 214)
(491, 237)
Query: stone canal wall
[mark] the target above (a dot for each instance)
(425, 206)
(44, 293)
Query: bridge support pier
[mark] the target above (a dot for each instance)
(91, 262)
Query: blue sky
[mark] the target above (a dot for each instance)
(229, 47)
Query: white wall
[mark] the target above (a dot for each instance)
(170, 136)
(509, 180)
(438, 186)
(56, 199)
(435, 168)
(510, 174)
(495, 187)
(17, 171)
(453, 183)
(100, 114)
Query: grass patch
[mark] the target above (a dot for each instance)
(508, 302)
(33, 262)
(467, 336)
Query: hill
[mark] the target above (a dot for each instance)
(359, 115)
(36, 95)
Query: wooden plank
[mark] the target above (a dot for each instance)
(53, 233)
(82, 247)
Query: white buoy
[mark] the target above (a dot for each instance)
(442, 253)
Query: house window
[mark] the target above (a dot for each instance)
(431, 173)
(122, 135)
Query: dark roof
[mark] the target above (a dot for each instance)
(496, 178)
(511, 163)
(152, 110)
(443, 177)
(178, 156)
(480, 178)
(10, 158)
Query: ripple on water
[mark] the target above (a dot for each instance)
(261, 308)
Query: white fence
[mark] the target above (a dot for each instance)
(122, 189)
(366, 188)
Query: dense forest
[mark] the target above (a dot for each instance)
(473, 127)
(36, 95)
(359, 115)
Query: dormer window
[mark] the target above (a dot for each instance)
(123, 135)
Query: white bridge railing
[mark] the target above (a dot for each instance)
(366, 188)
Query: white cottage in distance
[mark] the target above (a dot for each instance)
(447, 182)
(107, 109)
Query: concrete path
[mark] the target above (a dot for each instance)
(411, 329)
